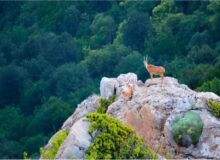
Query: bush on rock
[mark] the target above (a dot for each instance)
(187, 129)
(104, 103)
(214, 107)
(114, 140)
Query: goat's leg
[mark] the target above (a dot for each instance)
(162, 76)
(151, 76)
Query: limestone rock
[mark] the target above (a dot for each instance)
(150, 112)
(127, 78)
(88, 105)
(207, 95)
(153, 108)
(76, 142)
(108, 86)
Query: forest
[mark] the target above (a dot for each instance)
(53, 55)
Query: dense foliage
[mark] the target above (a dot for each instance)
(214, 107)
(104, 103)
(187, 129)
(56, 142)
(212, 85)
(54, 53)
(114, 140)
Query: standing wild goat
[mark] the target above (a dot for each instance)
(157, 70)
(128, 93)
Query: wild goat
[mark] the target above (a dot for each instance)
(129, 93)
(154, 70)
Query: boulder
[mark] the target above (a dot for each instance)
(76, 142)
(129, 78)
(108, 86)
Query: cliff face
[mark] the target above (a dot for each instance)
(151, 112)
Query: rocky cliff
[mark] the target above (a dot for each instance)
(152, 111)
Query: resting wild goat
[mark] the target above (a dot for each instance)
(129, 93)
(154, 70)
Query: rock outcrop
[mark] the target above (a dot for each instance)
(77, 141)
(150, 112)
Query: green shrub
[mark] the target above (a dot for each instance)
(56, 143)
(25, 155)
(189, 124)
(104, 103)
(114, 140)
(210, 86)
(214, 107)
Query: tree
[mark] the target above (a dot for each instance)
(63, 50)
(217, 64)
(18, 35)
(68, 78)
(161, 44)
(99, 6)
(203, 54)
(188, 7)
(130, 63)
(184, 26)
(210, 86)
(199, 39)
(71, 19)
(103, 29)
(198, 74)
(49, 117)
(56, 49)
(10, 148)
(33, 96)
(100, 62)
(12, 82)
(176, 67)
(37, 67)
(13, 123)
(2, 59)
(214, 19)
(32, 144)
(162, 10)
(136, 29)
(6, 48)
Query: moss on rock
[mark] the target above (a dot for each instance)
(187, 129)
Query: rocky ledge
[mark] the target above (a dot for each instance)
(153, 107)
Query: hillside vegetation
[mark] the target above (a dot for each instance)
(53, 55)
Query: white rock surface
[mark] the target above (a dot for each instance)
(129, 78)
(107, 87)
(76, 142)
